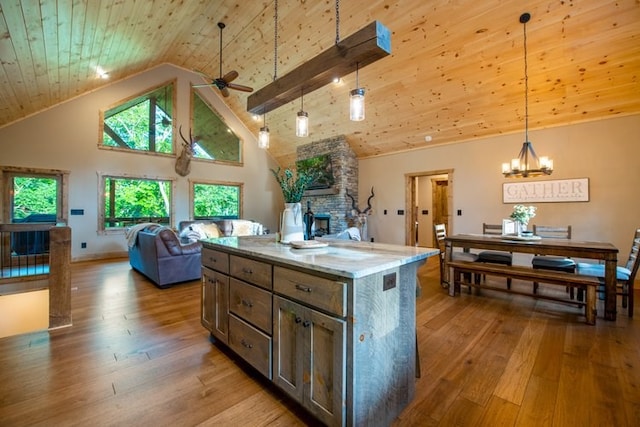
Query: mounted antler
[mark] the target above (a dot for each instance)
(183, 162)
(369, 202)
(361, 216)
(354, 205)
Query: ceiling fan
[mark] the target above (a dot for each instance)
(224, 82)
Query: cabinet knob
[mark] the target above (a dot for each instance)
(298, 319)
(247, 270)
(306, 323)
(246, 303)
(246, 344)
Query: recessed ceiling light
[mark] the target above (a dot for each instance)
(428, 138)
(102, 73)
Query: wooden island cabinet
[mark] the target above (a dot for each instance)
(333, 327)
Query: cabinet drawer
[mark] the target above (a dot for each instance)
(325, 294)
(215, 260)
(250, 344)
(251, 303)
(256, 272)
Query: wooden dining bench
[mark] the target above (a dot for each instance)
(588, 283)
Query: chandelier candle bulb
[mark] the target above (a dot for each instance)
(515, 164)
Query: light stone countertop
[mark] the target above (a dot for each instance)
(341, 257)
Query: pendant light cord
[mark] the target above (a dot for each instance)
(526, 85)
(337, 21)
(275, 41)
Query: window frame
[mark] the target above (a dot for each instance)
(194, 182)
(192, 96)
(174, 142)
(102, 176)
(8, 173)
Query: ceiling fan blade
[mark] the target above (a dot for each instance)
(240, 87)
(225, 92)
(230, 76)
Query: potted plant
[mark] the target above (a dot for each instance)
(522, 215)
(293, 187)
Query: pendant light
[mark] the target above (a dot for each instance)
(356, 102)
(263, 135)
(302, 119)
(527, 163)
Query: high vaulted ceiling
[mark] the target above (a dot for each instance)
(456, 71)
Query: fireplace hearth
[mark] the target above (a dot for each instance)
(322, 224)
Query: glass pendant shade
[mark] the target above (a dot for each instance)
(263, 137)
(302, 124)
(356, 105)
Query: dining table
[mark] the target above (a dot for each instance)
(602, 251)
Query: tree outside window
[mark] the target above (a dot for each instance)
(128, 201)
(143, 123)
(216, 200)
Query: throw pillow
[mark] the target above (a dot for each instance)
(210, 230)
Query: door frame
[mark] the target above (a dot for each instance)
(410, 180)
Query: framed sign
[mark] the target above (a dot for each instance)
(561, 190)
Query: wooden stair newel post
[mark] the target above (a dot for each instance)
(59, 277)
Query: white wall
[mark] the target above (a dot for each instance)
(66, 137)
(606, 152)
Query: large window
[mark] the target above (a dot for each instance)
(31, 196)
(215, 140)
(132, 200)
(143, 123)
(216, 200)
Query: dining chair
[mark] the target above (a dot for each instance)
(440, 233)
(625, 276)
(495, 257)
(553, 262)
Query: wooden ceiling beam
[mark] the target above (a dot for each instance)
(369, 44)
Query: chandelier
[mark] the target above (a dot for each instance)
(527, 163)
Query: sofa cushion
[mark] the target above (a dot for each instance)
(195, 230)
(198, 231)
(170, 241)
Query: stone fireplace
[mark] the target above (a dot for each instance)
(332, 204)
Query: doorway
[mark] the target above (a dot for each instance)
(429, 199)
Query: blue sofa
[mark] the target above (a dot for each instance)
(158, 254)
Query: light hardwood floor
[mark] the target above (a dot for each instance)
(137, 355)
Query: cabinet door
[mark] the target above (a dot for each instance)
(287, 346)
(325, 349)
(215, 304)
(309, 359)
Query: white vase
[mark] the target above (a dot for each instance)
(291, 225)
(521, 226)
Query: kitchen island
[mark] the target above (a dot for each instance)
(333, 327)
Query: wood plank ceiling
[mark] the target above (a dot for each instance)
(456, 71)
